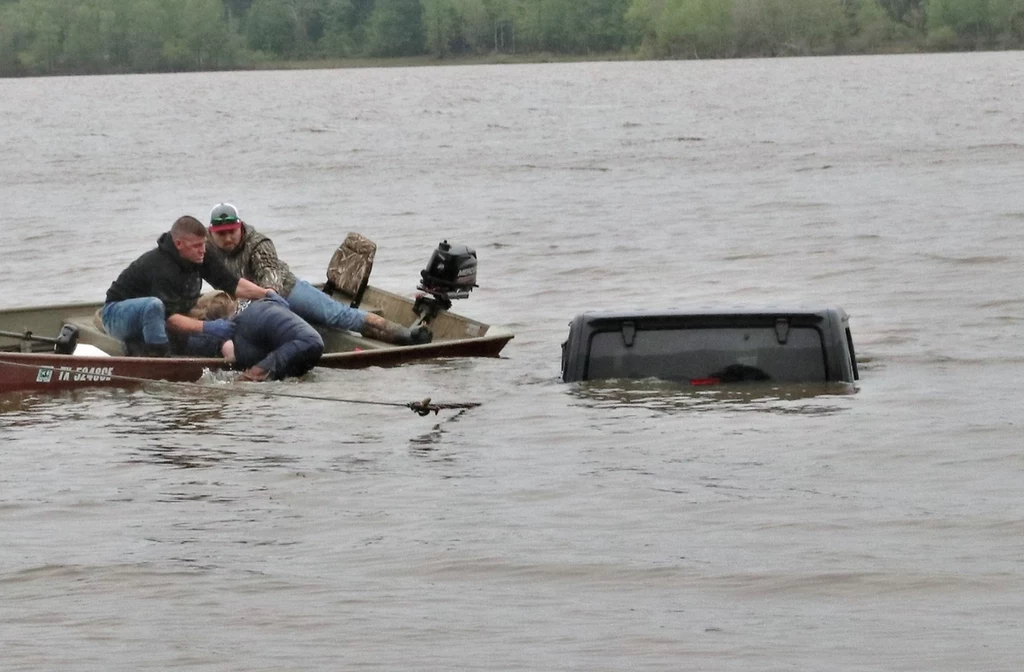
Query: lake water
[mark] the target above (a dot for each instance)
(555, 527)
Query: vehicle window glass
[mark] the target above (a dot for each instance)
(724, 354)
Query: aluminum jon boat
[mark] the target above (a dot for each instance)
(62, 347)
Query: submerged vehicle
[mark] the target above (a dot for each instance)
(80, 353)
(710, 347)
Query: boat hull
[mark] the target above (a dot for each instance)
(40, 372)
(31, 365)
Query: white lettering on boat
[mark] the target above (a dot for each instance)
(86, 374)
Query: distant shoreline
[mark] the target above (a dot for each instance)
(81, 37)
(428, 60)
(545, 57)
(489, 59)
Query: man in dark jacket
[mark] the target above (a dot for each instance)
(251, 255)
(147, 305)
(270, 342)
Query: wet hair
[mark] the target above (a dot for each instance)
(214, 306)
(187, 225)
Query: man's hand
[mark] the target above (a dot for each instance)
(254, 374)
(222, 329)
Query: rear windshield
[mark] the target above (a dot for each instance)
(709, 355)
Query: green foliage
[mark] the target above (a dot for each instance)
(564, 26)
(339, 35)
(272, 26)
(968, 19)
(46, 23)
(975, 24)
(872, 27)
(1007, 18)
(789, 27)
(441, 26)
(85, 45)
(552, 25)
(909, 12)
(598, 25)
(698, 28)
(144, 35)
(722, 28)
(456, 27)
(396, 28)
(205, 33)
(9, 34)
(84, 36)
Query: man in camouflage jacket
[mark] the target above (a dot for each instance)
(251, 255)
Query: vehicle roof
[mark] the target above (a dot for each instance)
(716, 311)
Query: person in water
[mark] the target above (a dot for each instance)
(252, 255)
(147, 305)
(270, 342)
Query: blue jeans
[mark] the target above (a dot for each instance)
(136, 320)
(318, 308)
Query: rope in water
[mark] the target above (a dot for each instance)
(424, 407)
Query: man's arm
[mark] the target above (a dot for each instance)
(183, 324)
(265, 268)
(218, 275)
(250, 290)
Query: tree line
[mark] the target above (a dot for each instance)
(103, 36)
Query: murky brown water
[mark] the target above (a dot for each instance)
(556, 527)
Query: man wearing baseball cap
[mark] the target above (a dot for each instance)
(252, 255)
(147, 305)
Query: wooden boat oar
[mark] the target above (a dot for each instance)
(422, 408)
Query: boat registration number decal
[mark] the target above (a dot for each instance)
(90, 374)
(82, 374)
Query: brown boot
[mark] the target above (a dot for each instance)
(420, 335)
(377, 327)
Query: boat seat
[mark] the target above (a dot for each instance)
(90, 331)
(348, 272)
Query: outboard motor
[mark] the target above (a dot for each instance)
(450, 274)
